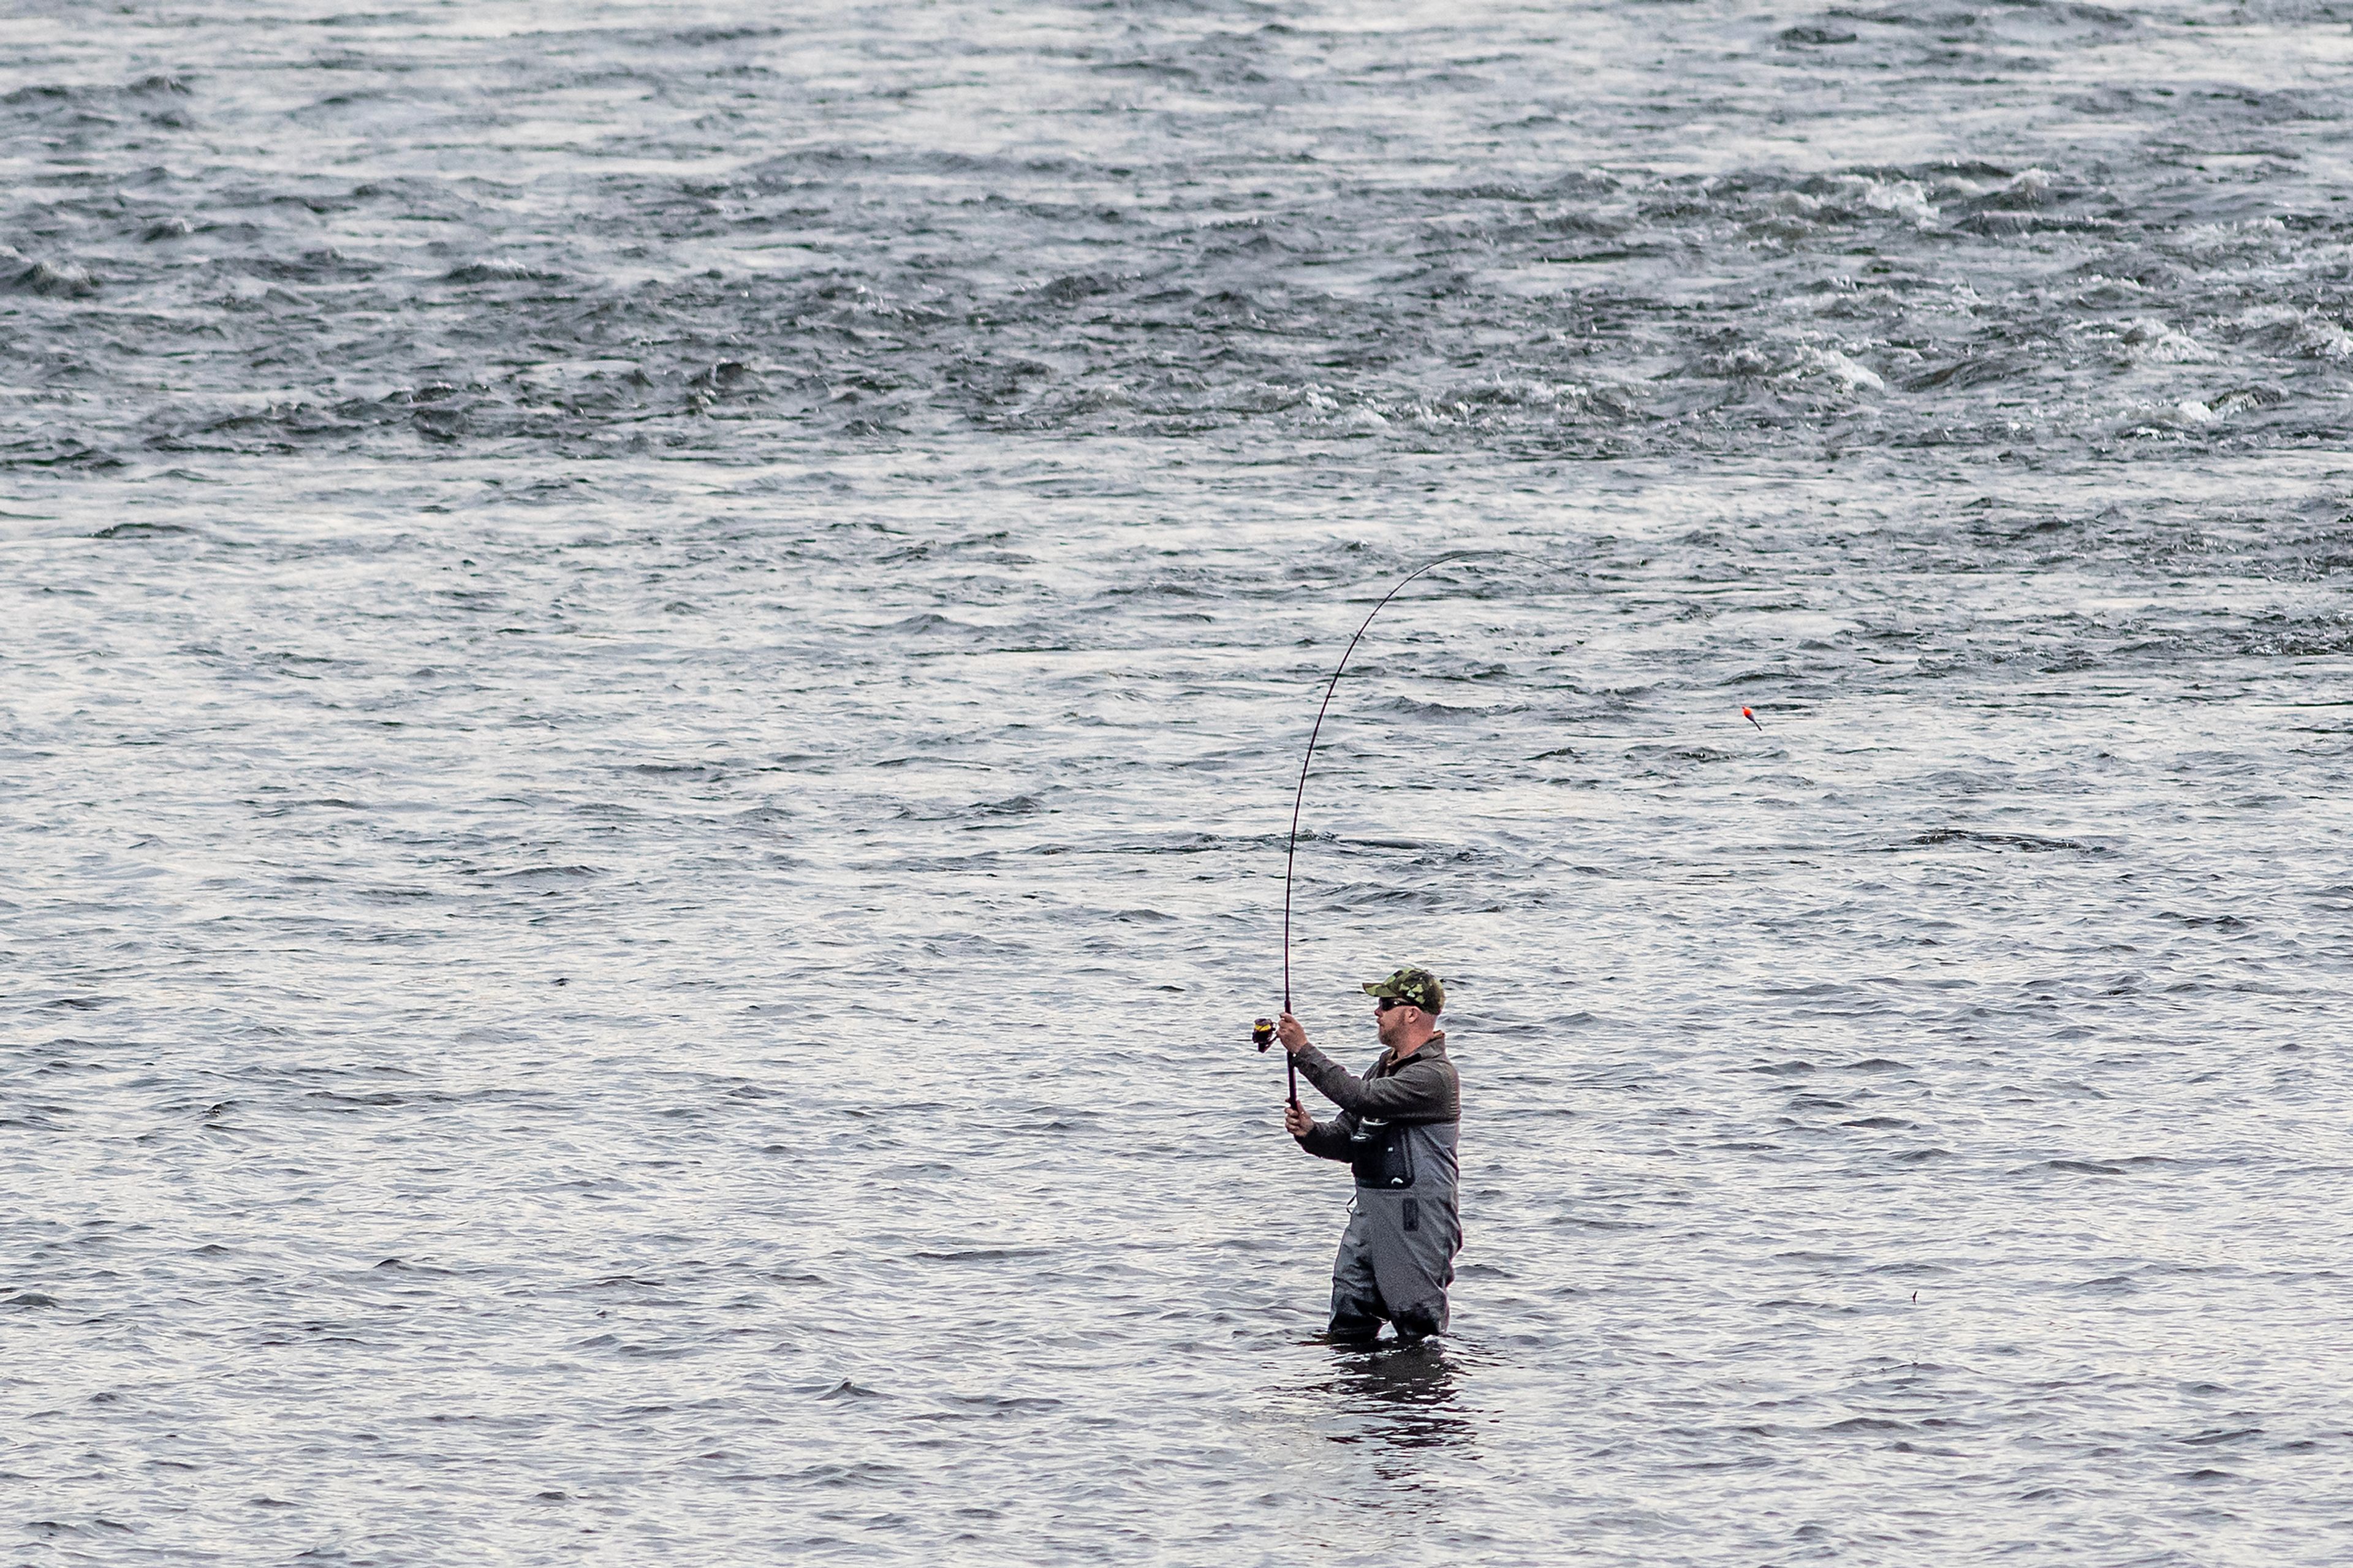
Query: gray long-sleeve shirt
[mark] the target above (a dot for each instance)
(1422, 1088)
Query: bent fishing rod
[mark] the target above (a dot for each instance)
(1262, 1031)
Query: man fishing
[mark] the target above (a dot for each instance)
(1397, 1129)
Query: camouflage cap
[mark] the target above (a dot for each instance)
(1418, 986)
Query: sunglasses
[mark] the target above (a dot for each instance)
(1383, 1004)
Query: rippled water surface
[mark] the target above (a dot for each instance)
(653, 662)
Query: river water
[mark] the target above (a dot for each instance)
(654, 656)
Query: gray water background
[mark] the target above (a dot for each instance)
(653, 662)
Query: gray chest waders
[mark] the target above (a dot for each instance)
(1397, 1258)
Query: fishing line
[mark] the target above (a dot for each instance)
(1263, 1031)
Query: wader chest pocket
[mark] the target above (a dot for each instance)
(1381, 1157)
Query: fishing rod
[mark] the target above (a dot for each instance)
(1262, 1031)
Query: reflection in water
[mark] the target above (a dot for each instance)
(1401, 1397)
